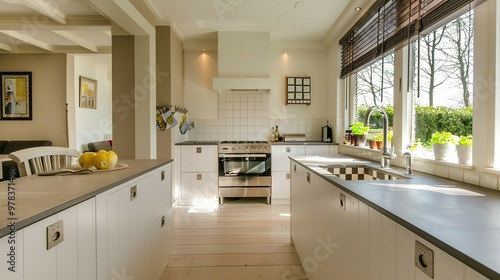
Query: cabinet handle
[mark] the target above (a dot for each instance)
(133, 193)
(294, 167)
(198, 150)
(287, 176)
(162, 221)
(162, 175)
(199, 177)
(308, 177)
(342, 201)
(55, 234)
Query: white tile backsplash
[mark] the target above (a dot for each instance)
(246, 116)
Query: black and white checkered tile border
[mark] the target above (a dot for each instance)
(360, 173)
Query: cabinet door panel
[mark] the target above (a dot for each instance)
(39, 262)
(405, 253)
(199, 186)
(374, 239)
(202, 158)
(388, 249)
(67, 251)
(363, 241)
(161, 190)
(281, 185)
(280, 154)
(86, 240)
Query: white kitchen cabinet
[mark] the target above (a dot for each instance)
(161, 190)
(17, 265)
(280, 166)
(75, 252)
(123, 244)
(280, 153)
(366, 244)
(199, 158)
(199, 175)
(134, 227)
(160, 243)
(199, 188)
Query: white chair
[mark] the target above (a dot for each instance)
(41, 159)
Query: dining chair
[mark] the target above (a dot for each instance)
(41, 159)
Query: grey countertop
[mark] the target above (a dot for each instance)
(459, 218)
(38, 197)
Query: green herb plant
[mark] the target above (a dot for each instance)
(359, 128)
(465, 140)
(444, 138)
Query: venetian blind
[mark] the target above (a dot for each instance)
(389, 24)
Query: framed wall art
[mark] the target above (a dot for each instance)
(298, 90)
(16, 96)
(88, 93)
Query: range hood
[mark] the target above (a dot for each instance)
(244, 62)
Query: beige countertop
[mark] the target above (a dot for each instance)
(37, 197)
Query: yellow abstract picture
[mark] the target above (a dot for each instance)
(16, 96)
(88, 93)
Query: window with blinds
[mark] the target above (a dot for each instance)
(390, 24)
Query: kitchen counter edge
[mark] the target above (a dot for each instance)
(137, 168)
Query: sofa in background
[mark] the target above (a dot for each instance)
(99, 145)
(7, 147)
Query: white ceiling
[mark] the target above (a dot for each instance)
(74, 26)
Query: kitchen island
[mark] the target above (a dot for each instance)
(375, 223)
(90, 226)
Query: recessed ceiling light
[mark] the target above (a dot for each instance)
(357, 9)
(203, 50)
(285, 49)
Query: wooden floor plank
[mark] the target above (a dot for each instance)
(235, 273)
(232, 239)
(233, 260)
(244, 239)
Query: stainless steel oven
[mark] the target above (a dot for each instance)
(244, 169)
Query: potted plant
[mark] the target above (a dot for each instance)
(444, 145)
(379, 140)
(359, 130)
(464, 149)
(372, 143)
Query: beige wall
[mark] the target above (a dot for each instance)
(48, 97)
(170, 83)
(123, 97)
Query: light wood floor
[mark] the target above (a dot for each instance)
(245, 239)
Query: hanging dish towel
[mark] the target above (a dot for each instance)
(184, 126)
(165, 120)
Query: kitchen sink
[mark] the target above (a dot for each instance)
(362, 172)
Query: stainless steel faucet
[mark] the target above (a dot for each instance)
(387, 153)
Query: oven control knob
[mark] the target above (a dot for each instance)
(233, 149)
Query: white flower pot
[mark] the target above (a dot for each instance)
(464, 154)
(444, 151)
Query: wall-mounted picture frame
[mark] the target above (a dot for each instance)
(16, 96)
(88, 93)
(298, 90)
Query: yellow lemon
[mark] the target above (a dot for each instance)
(112, 159)
(85, 159)
(100, 161)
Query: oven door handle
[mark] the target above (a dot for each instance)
(241, 155)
